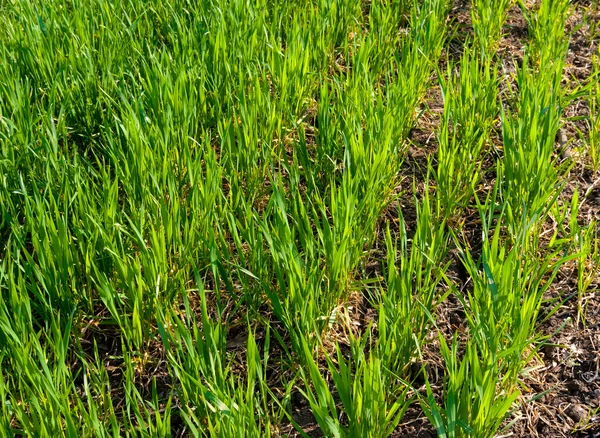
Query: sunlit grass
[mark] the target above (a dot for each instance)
(191, 192)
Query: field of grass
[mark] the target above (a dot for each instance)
(334, 218)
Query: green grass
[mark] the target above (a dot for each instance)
(194, 193)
